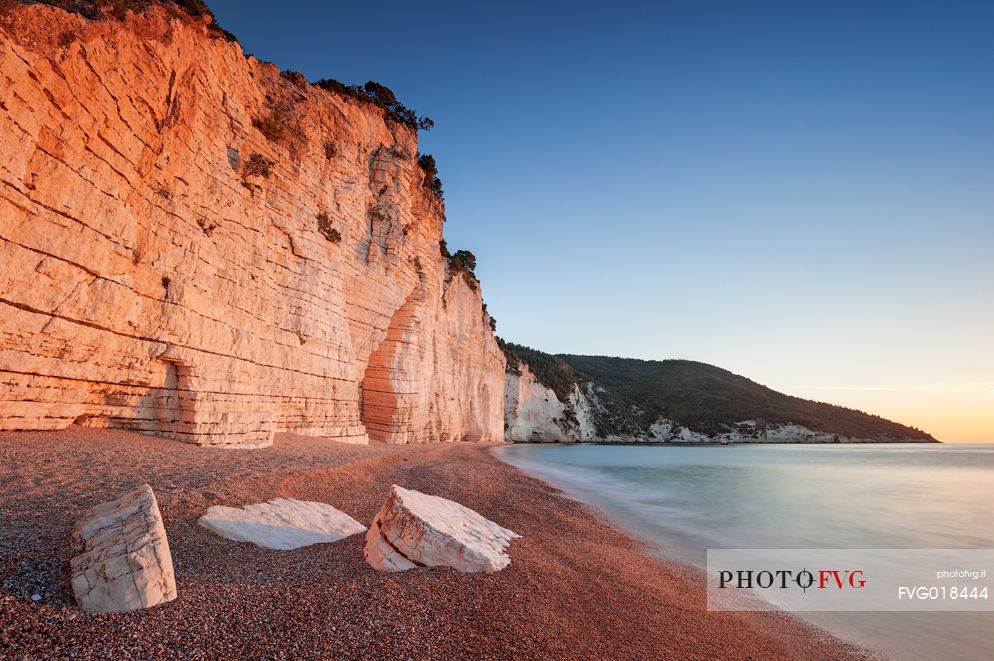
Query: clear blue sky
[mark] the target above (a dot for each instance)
(800, 192)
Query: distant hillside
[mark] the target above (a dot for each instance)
(709, 399)
(617, 399)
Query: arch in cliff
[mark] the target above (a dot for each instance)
(393, 391)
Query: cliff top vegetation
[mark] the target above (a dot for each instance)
(381, 96)
(95, 9)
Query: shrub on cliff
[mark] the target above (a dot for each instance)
(464, 262)
(493, 322)
(326, 229)
(330, 149)
(258, 165)
(380, 96)
(431, 180)
(194, 7)
(274, 125)
(295, 77)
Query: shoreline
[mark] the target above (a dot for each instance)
(613, 515)
(578, 585)
(704, 444)
(657, 501)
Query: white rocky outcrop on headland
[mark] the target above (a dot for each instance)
(281, 524)
(170, 265)
(414, 529)
(667, 430)
(124, 562)
(533, 412)
(746, 431)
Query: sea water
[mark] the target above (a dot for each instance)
(686, 499)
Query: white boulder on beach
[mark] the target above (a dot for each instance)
(124, 561)
(414, 529)
(281, 524)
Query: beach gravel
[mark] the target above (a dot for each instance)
(577, 587)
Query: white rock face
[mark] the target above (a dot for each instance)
(661, 430)
(413, 529)
(795, 434)
(534, 413)
(686, 435)
(751, 431)
(584, 409)
(125, 562)
(531, 411)
(281, 524)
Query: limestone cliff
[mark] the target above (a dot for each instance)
(166, 267)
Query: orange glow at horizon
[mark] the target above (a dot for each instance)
(963, 414)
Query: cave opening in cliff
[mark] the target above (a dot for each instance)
(168, 405)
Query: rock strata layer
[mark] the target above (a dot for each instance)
(195, 246)
(413, 529)
(281, 524)
(125, 562)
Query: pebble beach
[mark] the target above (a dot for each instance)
(577, 587)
